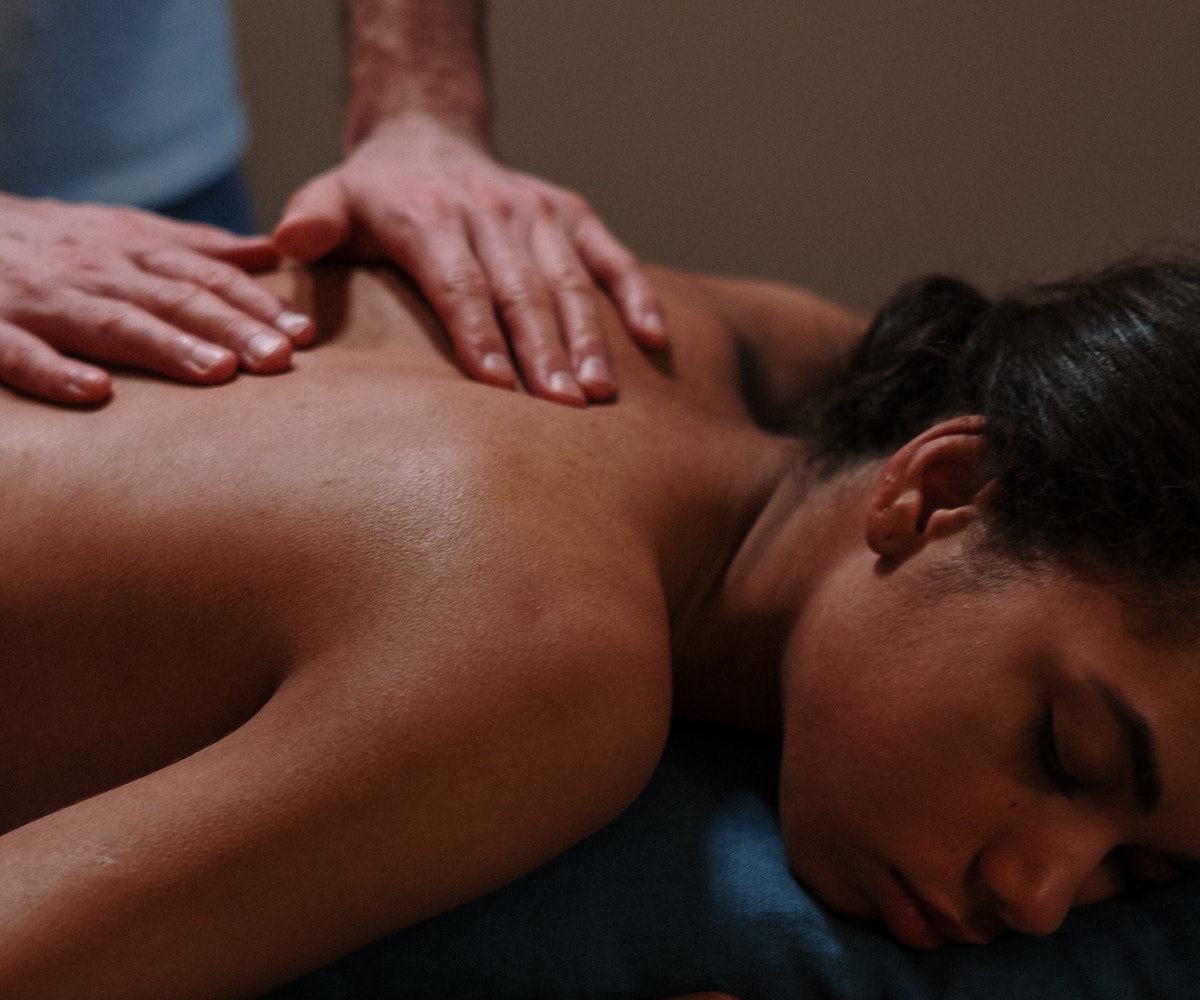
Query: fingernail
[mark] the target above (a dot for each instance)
(292, 323)
(594, 370)
(83, 383)
(263, 345)
(206, 356)
(564, 385)
(498, 365)
(652, 322)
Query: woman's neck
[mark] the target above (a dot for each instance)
(728, 647)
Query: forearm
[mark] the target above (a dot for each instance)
(413, 59)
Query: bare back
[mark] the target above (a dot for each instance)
(368, 553)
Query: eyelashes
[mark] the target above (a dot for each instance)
(1131, 867)
(1045, 754)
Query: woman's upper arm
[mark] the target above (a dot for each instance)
(355, 802)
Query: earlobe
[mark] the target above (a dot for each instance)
(930, 488)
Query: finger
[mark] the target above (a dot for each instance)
(258, 253)
(575, 296)
(29, 364)
(252, 253)
(439, 258)
(122, 333)
(525, 305)
(234, 287)
(190, 307)
(618, 271)
(316, 219)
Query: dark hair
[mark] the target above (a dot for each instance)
(1091, 390)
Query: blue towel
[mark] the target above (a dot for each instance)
(689, 890)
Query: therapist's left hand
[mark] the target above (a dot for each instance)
(512, 265)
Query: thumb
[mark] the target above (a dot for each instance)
(315, 221)
(254, 253)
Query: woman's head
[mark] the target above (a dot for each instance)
(1091, 393)
(985, 760)
(978, 732)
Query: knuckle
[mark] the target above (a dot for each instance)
(160, 259)
(425, 207)
(234, 329)
(498, 205)
(586, 345)
(476, 337)
(589, 227)
(23, 283)
(115, 321)
(177, 297)
(88, 259)
(457, 286)
(523, 294)
(571, 280)
(220, 278)
(572, 204)
(22, 365)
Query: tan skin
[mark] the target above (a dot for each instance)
(984, 777)
(352, 645)
(361, 643)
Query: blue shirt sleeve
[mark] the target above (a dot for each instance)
(118, 101)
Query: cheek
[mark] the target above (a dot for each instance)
(859, 722)
(849, 773)
(885, 800)
(853, 782)
(882, 762)
(901, 732)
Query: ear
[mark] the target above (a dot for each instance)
(930, 488)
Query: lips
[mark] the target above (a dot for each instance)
(915, 922)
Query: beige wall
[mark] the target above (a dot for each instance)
(846, 144)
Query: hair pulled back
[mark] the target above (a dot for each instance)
(1091, 390)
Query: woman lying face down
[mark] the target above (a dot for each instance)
(294, 663)
(1008, 665)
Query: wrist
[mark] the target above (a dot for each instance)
(416, 133)
(418, 123)
(418, 61)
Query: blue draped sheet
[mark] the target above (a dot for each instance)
(689, 890)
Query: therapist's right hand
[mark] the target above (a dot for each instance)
(121, 286)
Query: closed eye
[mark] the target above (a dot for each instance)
(1045, 754)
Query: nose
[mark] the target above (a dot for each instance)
(1034, 881)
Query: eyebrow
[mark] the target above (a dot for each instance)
(1139, 742)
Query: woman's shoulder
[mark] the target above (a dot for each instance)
(775, 343)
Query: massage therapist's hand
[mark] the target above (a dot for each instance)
(122, 286)
(497, 253)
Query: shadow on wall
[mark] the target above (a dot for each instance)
(844, 145)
